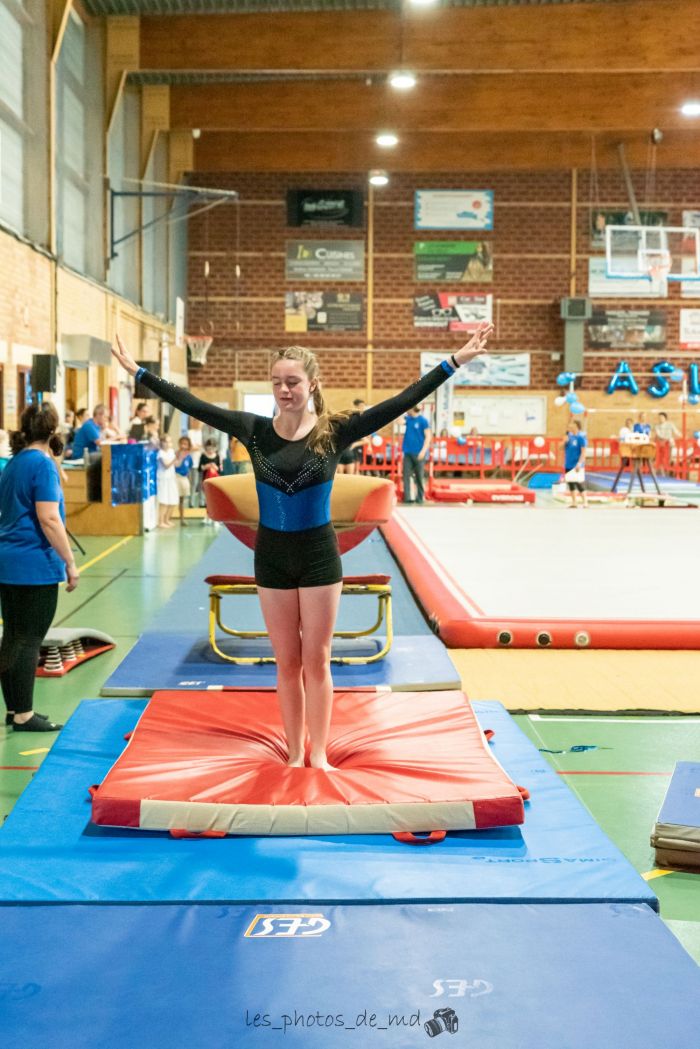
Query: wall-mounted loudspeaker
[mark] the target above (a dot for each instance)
(575, 309)
(44, 373)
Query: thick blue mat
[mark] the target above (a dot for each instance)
(51, 852)
(185, 661)
(501, 977)
(175, 652)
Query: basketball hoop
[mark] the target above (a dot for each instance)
(198, 347)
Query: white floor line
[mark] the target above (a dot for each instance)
(664, 719)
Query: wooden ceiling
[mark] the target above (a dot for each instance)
(516, 86)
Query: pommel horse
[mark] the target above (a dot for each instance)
(358, 506)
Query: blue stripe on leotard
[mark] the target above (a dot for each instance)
(308, 508)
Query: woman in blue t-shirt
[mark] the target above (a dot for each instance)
(35, 556)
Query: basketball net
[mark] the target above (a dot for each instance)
(658, 266)
(198, 346)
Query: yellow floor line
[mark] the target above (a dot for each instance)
(655, 874)
(109, 550)
(41, 750)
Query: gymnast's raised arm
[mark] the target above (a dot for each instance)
(236, 424)
(373, 419)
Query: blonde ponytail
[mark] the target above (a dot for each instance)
(322, 438)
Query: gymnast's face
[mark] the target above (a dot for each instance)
(290, 386)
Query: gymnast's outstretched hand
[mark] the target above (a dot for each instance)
(476, 345)
(124, 357)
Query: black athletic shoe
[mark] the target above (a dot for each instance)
(36, 724)
(10, 718)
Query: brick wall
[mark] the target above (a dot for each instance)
(26, 328)
(531, 247)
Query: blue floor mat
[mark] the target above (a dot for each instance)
(175, 652)
(488, 976)
(184, 661)
(50, 851)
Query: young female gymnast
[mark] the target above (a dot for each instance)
(297, 562)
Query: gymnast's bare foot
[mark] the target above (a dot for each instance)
(294, 761)
(320, 761)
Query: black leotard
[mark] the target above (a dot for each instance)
(296, 544)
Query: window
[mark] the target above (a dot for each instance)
(79, 116)
(23, 124)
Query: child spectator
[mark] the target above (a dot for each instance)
(183, 465)
(209, 466)
(167, 485)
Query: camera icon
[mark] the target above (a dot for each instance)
(443, 1020)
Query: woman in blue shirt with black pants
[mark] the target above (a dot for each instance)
(35, 556)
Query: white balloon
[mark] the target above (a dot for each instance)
(538, 442)
(559, 401)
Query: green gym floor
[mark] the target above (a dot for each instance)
(622, 781)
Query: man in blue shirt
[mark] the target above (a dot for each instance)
(89, 436)
(416, 441)
(575, 462)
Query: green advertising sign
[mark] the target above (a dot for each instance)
(453, 261)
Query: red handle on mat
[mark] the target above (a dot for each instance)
(524, 793)
(178, 833)
(489, 733)
(407, 837)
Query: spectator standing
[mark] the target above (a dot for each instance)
(35, 556)
(183, 468)
(665, 432)
(415, 445)
(166, 483)
(575, 462)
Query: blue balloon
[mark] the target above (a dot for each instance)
(623, 380)
(571, 398)
(461, 440)
(660, 386)
(696, 435)
(677, 375)
(564, 378)
(577, 408)
(693, 399)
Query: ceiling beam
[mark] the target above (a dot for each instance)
(637, 35)
(435, 152)
(483, 102)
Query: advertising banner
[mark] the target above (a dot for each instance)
(453, 261)
(324, 260)
(447, 311)
(325, 207)
(306, 311)
(627, 329)
(495, 369)
(690, 330)
(453, 209)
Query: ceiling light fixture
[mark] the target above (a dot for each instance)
(378, 177)
(387, 139)
(402, 80)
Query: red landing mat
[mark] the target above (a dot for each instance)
(214, 763)
(479, 491)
